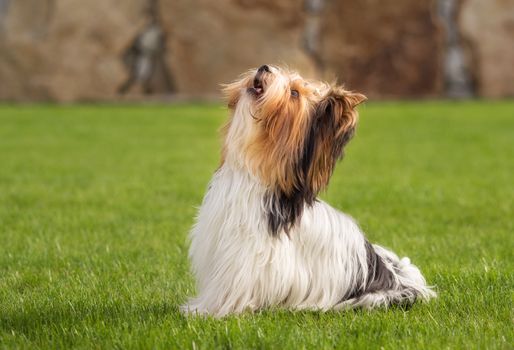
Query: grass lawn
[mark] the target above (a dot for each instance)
(96, 203)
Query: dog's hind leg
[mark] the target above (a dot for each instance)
(390, 281)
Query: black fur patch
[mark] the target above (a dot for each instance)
(284, 210)
(379, 276)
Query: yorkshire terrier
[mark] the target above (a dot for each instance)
(262, 238)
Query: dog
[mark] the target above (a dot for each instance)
(262, 238)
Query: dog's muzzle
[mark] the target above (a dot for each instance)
(258, 81)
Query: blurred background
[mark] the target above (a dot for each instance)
(109, 50)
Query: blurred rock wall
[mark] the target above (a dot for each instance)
(388, 48)
(488, 27)
(75, 50)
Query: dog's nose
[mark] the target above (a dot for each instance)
(263, 68)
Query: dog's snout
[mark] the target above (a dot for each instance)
(263, 68)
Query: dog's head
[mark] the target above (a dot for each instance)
(288, 131)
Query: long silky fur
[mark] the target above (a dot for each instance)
(325, 137)
(262, 238)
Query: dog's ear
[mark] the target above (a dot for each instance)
(332, 126)
(354, 98)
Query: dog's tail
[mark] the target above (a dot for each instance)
(390, 281)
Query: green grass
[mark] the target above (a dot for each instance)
(96, 203)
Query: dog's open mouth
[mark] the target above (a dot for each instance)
(257, 89)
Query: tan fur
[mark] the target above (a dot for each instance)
(281, 123)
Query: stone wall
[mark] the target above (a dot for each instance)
(387, 48)
(488, 27)
(212, 42)
(65, 50)
(75, 50)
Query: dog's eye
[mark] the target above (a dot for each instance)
(295, 93)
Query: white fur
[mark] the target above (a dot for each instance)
(239, 265)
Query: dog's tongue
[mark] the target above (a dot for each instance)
(257, 85)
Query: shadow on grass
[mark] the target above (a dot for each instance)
(30, 322)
